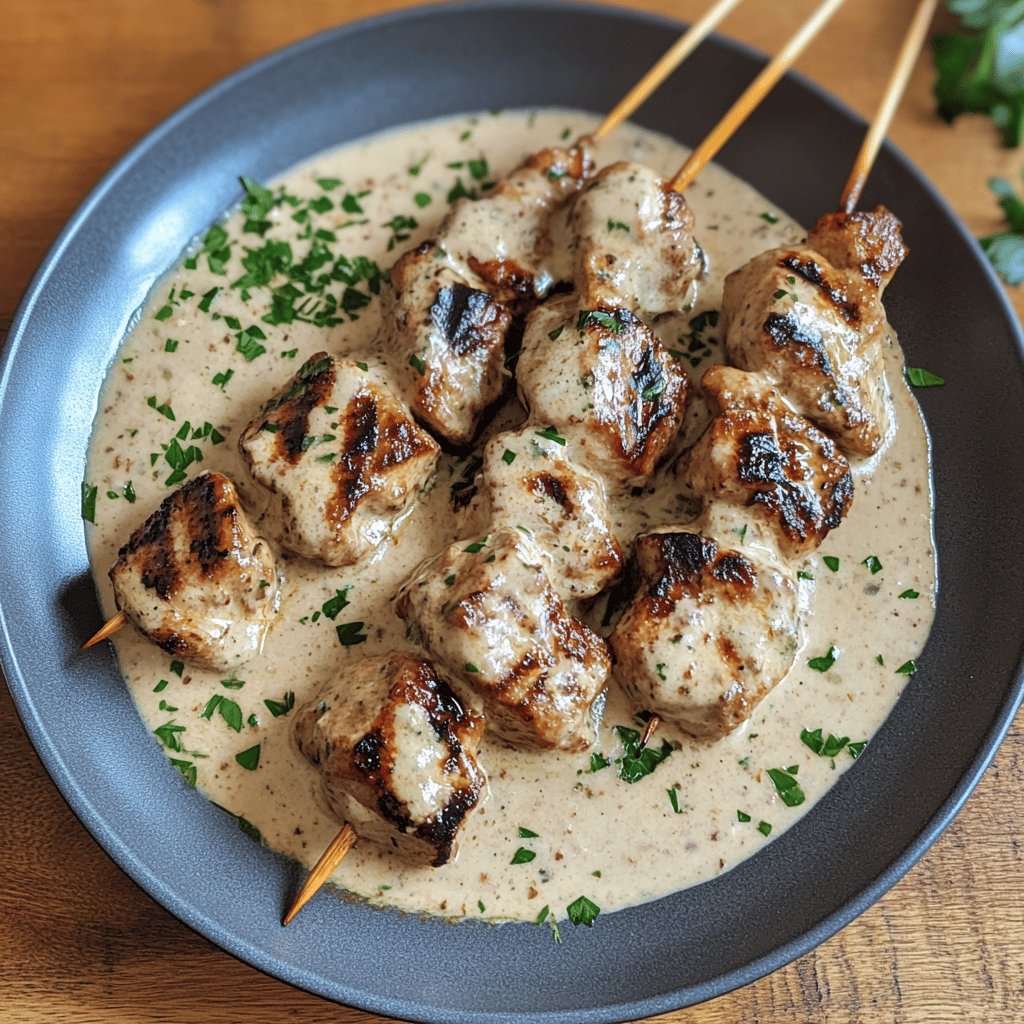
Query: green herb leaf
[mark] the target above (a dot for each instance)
(873, 564)
(908, 668)
(526, 833)
(281, 707)
(89, 492)
(856, 749)
(187, 769)
(636, 764)
(249, 759)
(556, 333)
(910, 595)
(771, 219)
(832, 562)
(742, 816)
(787, 787)
(476, 546)
(232, 682)
(764, 828)
(350, 633)
(508, 457)
(550, 434)
(334, 605)
(923, 378)
(583, 911)
(599, 318)
(673, 799)
(598, 761)
(825, 662)
(522, 856)
(169, 735)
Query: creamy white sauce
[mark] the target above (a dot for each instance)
(616, 843)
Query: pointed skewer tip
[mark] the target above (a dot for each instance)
(109, 628)
(322, 870)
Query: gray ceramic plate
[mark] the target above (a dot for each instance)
(423, 63)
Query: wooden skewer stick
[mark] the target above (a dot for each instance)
(322, 870)
(756, 91)
(649, 730)
(109, 628)
(679, 51)
(916, 35)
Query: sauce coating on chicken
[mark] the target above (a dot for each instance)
(391, 739)
(708, 634)
(197, 579)
(342, 458)
(488, 612)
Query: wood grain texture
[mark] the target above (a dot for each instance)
(79, 84)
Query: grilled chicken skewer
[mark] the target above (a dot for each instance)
(807, 320)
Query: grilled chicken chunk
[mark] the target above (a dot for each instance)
(489, 613)
(342, 458)
(197, 580)
(450, 303)
(505, 238)
(632, 242)
(396, 753)
(758, 454)
(449, 338)
(708, 634)
(605, 381)
(534, 485)
(817, 329)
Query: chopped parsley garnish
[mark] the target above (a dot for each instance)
(742, 816)
(522, 856)
(417, 364)
(527, 833)
(636, 764)
(857, 748)
(832, 562)
(921, 378)
(350, 633)
(169, 734)
(673, 799)
(598, 761)
(771, 219)
(281, 707)
(803, 575)
(825, 662)
(422, 199)
(764, 828)
(550, 434)
(599, 318)
(178, 668)
(823, 747)
(583, 911)
(163, 408)
(89, 492)
(471, 668)
(258, 202)
(545, 915)
(556, 333)
(161, 686)
(170, 345)
(908, 668)
(249, 759)
(787, 787)
(208, 298)
(163, 313)
(249, 829)
(480, 906)
(508, 457)
(226, 708)
(187, 769)
(248, 343)
(220, 380)
(328, 184)
(652, 391)
(477, 545)
(333, 605)
(400, 226)
(873, 564)
(232, 682)
(910, 594)
(660, 667)
(617, 225)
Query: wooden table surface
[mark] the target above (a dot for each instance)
(79, 84)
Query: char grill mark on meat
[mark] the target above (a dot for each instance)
(811, 270)
(707, 634)
(805, 342)
(491, 615)
(533, 485)
(397, 754)
(196, 579)
(465, 316)
(338, 490)
(757, 453)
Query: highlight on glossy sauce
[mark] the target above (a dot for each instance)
(581, 828)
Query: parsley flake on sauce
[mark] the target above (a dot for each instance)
(910, 595)
(829, 747)
(583, 911)
(873, 564)
(281, 707)
(825, 662)
(550, 434)
(226, 708)
(187, 769)
(742, 816)
(908, 668)
(832, 562)
(921, 378)
(787, 787)
(89, 492)
(350, 633)
(249, 759)
(636, 764)
(527, 833)
(334, 605)
(764, 828)
(522, 856)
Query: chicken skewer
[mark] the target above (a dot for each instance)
(761, 464)
(461, 322)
